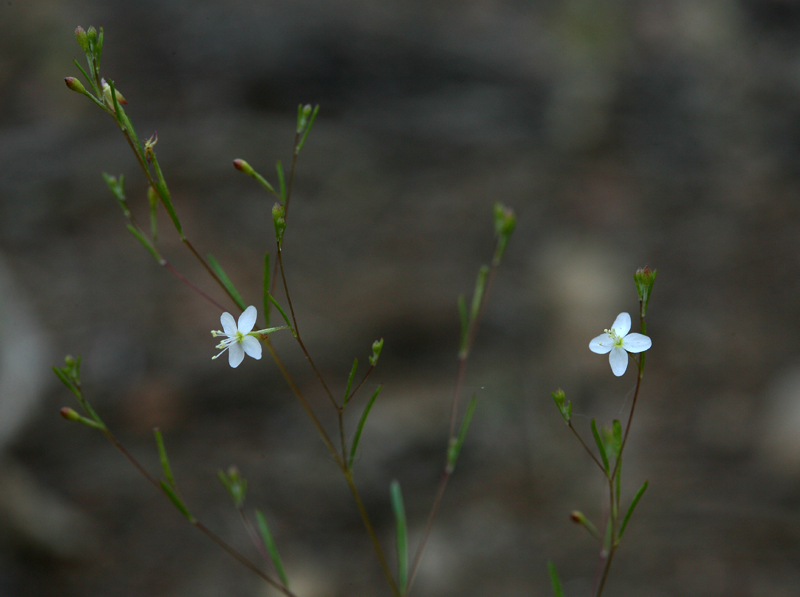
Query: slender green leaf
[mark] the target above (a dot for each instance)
(350, 382)
(360, 428)
(554, 580)
(163, 192)
(455, 448)
(269, 543)
(176, 501)
(283, 314)
(477, 296)
(307, 129)
(600, 446)
(66, 381)
(402, 537)
(635, 501)
(150, 248)
(162, 455)
(226, 282)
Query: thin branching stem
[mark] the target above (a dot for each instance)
(197, 524)
(451, 437)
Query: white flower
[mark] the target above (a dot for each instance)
(239, 339)
(617, 341)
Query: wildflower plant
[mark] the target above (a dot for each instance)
(239, 339)
(621, 346)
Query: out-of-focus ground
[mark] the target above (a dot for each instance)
(623, 133)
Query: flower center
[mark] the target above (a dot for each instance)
(615, 338)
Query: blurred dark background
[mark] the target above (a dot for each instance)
(623, 133)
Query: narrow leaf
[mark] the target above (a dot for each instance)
(226, 282)
(477, 296)
(269, 543)
(455, 448)
(600, 446)
(66, 381)
(635, 501)
(308, 129)
(557, 591)
(162, 454)
(350, 382)
(150, 248)
(360, 428)
(176, 501)
(402, 537)
(464, 318)
(283, 313)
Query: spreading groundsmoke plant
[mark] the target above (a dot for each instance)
(239, 338)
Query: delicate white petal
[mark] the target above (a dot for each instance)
(247, 319)
(252, 346)
(636, 343)
(235, 354)
(619, 361)
(602, 344)
(228, 324)
(622, 324)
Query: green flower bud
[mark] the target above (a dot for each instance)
(80, 35)
(243, 166)
(644, 279)
(564, 405)
(279, 220)
(69, 414)
(377, 347)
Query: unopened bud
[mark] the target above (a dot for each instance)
(377, 347)
(80, 35)
(279, 220)
(243, 166)
(69, 414)
(91, 33)
(75, 85)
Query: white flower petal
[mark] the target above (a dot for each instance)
(622, 324)
(636, 343)
(602, 344)
(619, 361)
(247, 319)
(228, 324)
(235, 354)
(252, 346)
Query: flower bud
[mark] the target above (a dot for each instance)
(80, 36)
(243, 166)
(564, 405)
(69, 414)
(91, 34)
(279, 220)
(75, 85)
(644, 279)
(377, 347)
